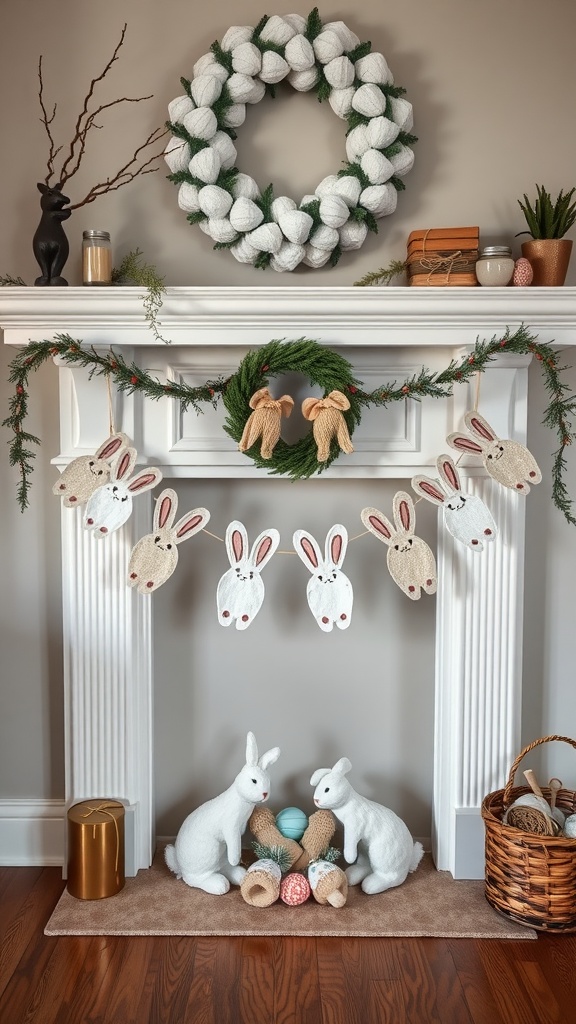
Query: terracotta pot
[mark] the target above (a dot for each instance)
(549, 259)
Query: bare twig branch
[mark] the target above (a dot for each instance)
(90, 123)
(124, 174)
(47, 121)
(65, 175)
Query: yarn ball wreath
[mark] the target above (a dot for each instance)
(323, 367)
(248, 64)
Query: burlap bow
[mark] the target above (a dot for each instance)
(264, 422)
(328, 422)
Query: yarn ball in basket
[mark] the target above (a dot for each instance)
(294, 889)
(569, 829)
(292, 823)
(523, 273)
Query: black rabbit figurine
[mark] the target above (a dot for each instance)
(50, 243)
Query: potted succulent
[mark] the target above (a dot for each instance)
(548, 221)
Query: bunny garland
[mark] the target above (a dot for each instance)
(240, 591)
(155, 556)
(264, 421)
(329, 592)
(508, 462)
(328, 423)
(466, 516)
(84, 475)
(110, 506)
(243, 68)
(411, 563)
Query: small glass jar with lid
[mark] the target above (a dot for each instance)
(495, 266)
(96, 257)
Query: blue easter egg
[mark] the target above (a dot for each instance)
(292, 822)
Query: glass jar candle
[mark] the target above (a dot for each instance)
(495, 266)
(96, 257)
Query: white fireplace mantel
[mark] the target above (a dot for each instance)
(386, 333)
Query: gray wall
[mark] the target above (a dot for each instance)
(492, 86)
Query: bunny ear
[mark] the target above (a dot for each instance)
(378, 524)
(165, 509)
(429, 489)
(123, 463)
(336, 544)
(318, 774)
(191, 523)
(236, 542)
(478, 425)
(339, 400)
(112, 446)
(286, 405)
(463, 443)
(448, 472)
(307, 549)
(264, 547)
(144, 480)
(251, 750)
(311, 408)
(403, 509)
(342, 766)
(262, 395)
(270, 757)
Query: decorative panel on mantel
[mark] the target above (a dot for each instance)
(385, 333)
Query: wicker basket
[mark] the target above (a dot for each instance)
(530, 878)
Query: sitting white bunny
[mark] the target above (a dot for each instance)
(209, 844)
(375, 838)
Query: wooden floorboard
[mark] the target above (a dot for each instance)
(268, 980)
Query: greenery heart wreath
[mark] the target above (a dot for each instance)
(324, 368)
(245, 66)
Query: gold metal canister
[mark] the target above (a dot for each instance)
(95, 849)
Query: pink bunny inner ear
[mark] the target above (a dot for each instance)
(109, 449)
(466, 444)
(449, 470)
(480, 427)
(309, 551)
(404, 513)
(263, 549)
(429, 487)
(188, 525)
(165, 509)
(336, 548)
(379, 526)
(141, 481)
(237, 545)
(124, 463)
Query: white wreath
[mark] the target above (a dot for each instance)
(227, 204)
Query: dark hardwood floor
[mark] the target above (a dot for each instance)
(111, 980)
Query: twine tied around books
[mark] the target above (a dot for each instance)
(434, 264)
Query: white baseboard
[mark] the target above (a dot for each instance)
(32, 833)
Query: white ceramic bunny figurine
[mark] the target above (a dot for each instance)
(155, 556)
(329, 591)
(377, 843)
(209, 844)
(111, 505)
(466, 516)
(241, 590)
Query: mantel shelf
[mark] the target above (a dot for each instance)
(385, 316)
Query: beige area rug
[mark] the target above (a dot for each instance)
(155, 902)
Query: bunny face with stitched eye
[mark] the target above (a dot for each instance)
(411, 563)
(155, 556)
(110, 506)
(507, 461)
(83, 475)
(466, 516)
(240, 591)
(329, 591)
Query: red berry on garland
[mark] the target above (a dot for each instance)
(20, 390)
(294, 889)
(264, 368)
(405, 389)
(471, 359)
(352, 389)
(133, 380)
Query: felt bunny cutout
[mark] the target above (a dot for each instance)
(241, 590)
(328, 422)
(83, 475)
(111, 505)
(411, 563)
(508, 462)
(466, 516)
(208, 847)
(329, 591)
(155, 556)
(264, 421)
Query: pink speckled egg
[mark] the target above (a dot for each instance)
(523, 273)
(294, 889)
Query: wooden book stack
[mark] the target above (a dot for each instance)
(443, 257)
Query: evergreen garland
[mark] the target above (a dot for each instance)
(322, 366)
